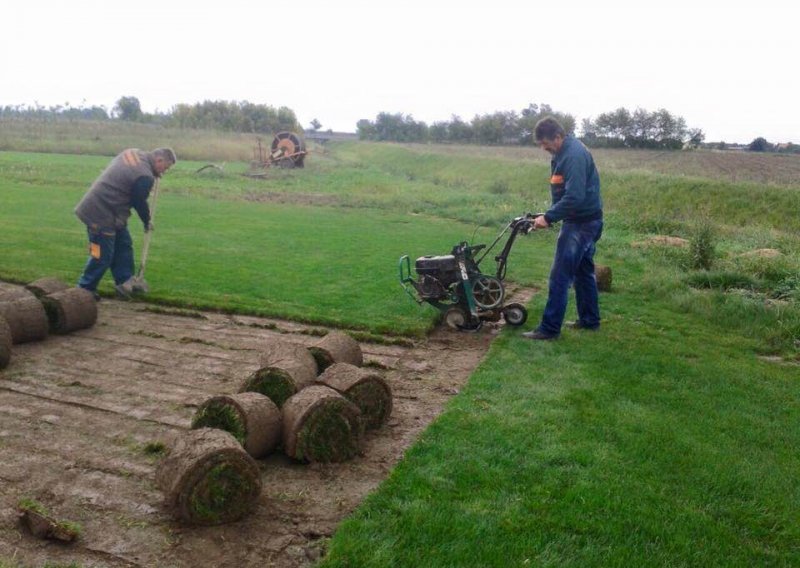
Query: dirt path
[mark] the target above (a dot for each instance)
(77, 411)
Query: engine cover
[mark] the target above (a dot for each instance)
(436, 264)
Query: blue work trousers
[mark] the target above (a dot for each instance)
(573, 264)
(108, 249)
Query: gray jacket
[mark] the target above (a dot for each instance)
(107, 204)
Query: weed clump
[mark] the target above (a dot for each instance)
(702, 246)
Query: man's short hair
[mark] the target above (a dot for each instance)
(548, 128)
(166, 154)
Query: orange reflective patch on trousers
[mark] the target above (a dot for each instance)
(94, 250)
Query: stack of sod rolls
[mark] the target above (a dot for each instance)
(25, 317)
(366, 389)
(45, 286)
(320, 425)
(252, 418)
(69, 310)
(5, 343)
(336, 347)
(284, 369)
(208, 479)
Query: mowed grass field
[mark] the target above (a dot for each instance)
(668, 438)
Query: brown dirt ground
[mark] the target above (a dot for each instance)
(76, 412)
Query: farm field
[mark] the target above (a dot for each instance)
(669, 437)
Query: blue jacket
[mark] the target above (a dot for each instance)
(574, 185)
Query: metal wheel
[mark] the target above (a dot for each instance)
(488, 292)
(515, 314)
(473, 326)
(286, 164)
(455, 318)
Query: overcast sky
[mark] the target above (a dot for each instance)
(730, 70)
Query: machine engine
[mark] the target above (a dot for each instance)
(436, 275)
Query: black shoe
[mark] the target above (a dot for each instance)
(579, 325)
(538, 335)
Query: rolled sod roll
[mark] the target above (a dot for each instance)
(45, 286)
(70, 310)
(320, 425)
(10, 292)
(336, 347)
(252, 418)
(5, 343)
(366, 389)
(603, 276)
(208, 479)
(26, 318)
(284, 369)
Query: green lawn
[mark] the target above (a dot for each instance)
(661, 440)
(668, 438)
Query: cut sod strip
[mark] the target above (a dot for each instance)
(45, 286)
(9, 292)
(5, 343)
(320, 425)
(366, 389)
(252, 418)
(284, 369)
(70, 310)
(208, 479)
(336, 347)
(43, 525)
(26, 318)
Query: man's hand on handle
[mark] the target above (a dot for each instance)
(540, 223)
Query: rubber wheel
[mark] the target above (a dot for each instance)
(455, 318)
(515, 314)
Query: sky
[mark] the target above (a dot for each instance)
(730, 70)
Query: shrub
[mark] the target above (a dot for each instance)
(702, 245)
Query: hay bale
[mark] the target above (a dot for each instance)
(26, 318)
(336, 347)
(284, 369)
(5, 343)
(252, 418)
(9, 292)
(208, 479)
(320, 425)
(45, 286)
(603, 276)
(70, 310)
(366, 389)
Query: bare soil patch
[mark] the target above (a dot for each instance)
(80, 416)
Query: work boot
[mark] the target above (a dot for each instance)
(539, 335)
(124, 290)
(140, 286)
(579, 325)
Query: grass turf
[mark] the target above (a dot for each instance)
(664, 439)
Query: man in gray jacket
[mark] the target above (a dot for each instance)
(106, 207)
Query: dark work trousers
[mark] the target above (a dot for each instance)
(108, 249)
(573, 264)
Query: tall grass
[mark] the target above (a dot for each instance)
(108, 138)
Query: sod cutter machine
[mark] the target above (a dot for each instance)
(455, 285)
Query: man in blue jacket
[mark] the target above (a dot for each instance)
(575, 192)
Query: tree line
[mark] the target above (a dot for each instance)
(509, 127)
(232, 116)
